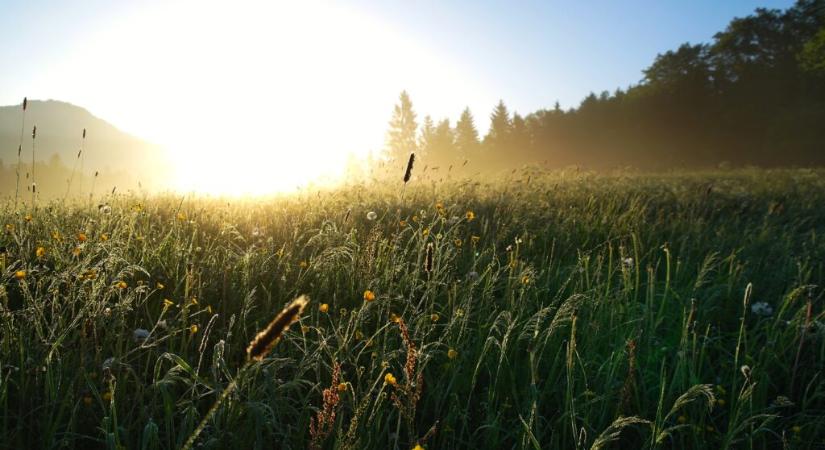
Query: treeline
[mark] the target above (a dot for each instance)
(754, 96)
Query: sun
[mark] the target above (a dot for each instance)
(260, 97)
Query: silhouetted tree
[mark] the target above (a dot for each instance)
(401, 137)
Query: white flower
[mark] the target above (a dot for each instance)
(627, 263)
(372, 215)
(256, 232)
(105, 209)
(140, 334)
(762, 309)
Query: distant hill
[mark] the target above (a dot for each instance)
(117, 155)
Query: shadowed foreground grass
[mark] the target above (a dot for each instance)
(562, 310)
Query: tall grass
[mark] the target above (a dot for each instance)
(569, 310)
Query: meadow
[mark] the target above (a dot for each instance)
(540, 310)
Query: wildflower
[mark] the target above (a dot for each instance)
(470, 216)
(9, 227)
(342, 387)
(439, 206)
(394, 318)
(390, 379)
(474, 239)
(627, 263)
(369, 295)
(181, 217)
(415, 219)
(452, 353)
(40, 252)
(140, 334)
(762, 309)
(77, 250)
(525, 279)
(402, 223)
(121, 284)
(418, 447)
(434, 317)
(372, 215)
(193, 328)
(159, 285)
(323, 307)
(104, 237)
(81, 237)
(425, 232)
(304, 329)
(56, 235)
(90, 274)
(105, 209)
(457, 242)
(193, 301)
(107, 396)
(20, 274)
(303, 264)
(168, 303)
(28, 218)
(359, 335)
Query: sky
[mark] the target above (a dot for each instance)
(282, 86)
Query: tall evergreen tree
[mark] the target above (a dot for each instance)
(466, 135)
(500, 127)
(401, 137)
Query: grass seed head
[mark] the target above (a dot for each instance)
(266, 339)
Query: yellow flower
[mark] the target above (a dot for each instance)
(193, 329)
(323, 307)
(434, 317)
(425, 232)
(20, 274)
(304, 329)
(415, 219)
(209, 309)
(107, 396)
(104, 237)
(342, 387)
(369, 295)
(76, 251)
(394, 318)
(194, 301)
(56, 235)
(40, 252)
(390, 379)
(159, 285)
(168, 303)
(181, 217)
(303, 264)
(121, 285)
(81, 237)
(457, 242)
(470, 216)
(475, 239)
(90, 274)
(9, 227)
(525, 279)
(28, 217)
(402, 223)
(418, 447)
(439, 206)
(452, 354)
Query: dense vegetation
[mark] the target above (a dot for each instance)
(547, 310)
(755, 95)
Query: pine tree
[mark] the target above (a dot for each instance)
(401, 137)
(466, 135)
(500, 127)
(425, 140)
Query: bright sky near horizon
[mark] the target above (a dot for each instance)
(266, 89)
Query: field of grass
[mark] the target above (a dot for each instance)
(547, 310)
